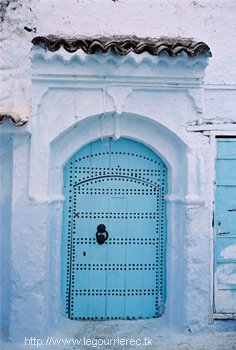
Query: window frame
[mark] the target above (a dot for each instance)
(214, 135)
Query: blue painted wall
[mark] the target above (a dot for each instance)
(6, 196)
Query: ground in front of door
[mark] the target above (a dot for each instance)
(121, 335)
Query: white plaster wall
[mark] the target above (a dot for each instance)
(34, 252)
(152, 114)
(203, 20)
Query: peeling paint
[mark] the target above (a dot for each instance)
(223, 233)
(226, 300)
(229, 252)
(226, 273)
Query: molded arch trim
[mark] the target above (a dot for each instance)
(168, 146)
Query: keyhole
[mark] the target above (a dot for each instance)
(84, 253)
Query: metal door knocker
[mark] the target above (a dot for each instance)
(101, 238)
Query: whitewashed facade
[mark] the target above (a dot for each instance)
(174, 105)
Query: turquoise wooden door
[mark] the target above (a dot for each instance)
(225, 227)
(120, 184)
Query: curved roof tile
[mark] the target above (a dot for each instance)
(124, 45)
(15, 121)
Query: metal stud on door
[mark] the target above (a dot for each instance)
(114, 232)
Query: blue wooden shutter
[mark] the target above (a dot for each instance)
(121, 185)
(225, 227)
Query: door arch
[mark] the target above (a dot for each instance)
(120, 184)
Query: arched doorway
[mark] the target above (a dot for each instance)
(121, 185)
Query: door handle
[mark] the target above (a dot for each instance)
(101, 238)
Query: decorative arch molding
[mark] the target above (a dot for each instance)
(174, 153)
(121, 90)
(79, 99)
(49, 158)
(162, 141)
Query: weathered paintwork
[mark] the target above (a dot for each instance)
(225, 226)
